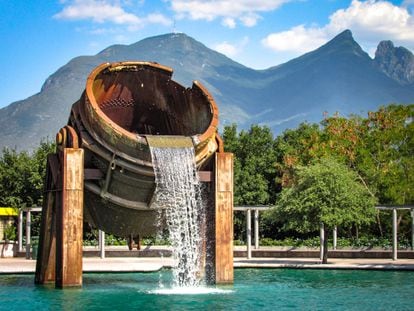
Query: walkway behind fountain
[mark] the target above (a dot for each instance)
(138, 262)
(93, 264)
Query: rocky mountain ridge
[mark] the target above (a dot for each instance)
(337, 77)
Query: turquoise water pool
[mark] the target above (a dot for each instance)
(253, 289)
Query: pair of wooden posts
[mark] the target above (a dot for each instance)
(60, 246)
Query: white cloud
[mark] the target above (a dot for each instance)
(97, 11)
(249, 20)
(375, 18)
(229, 49)
(298, 39)
(229, 22)
(246, 11)
(101, 11)
(370, 21)
(226, 48)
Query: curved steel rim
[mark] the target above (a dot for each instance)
(211, 130)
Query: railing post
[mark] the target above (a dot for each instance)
(256, 228)
(322, 239)
(412, 229)
(394, 234)
(249, 233)
(20, 231)
(102, 244)
(28, 228)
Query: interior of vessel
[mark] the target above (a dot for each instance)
(144, 100)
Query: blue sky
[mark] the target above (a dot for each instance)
(38, 37)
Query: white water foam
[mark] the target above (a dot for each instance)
(178, 195)
(201, 290)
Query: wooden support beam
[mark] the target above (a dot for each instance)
(224, 218)
(205, 176)
(69, 227)
(46, 255)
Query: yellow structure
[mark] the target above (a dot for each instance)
(6, 218)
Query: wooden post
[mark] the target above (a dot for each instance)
(223, 218)
(46, 256)
(69, 226)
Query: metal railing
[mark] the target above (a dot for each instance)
(394, 209)
(248, 210)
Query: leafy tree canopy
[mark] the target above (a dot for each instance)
(254, 164)
(22, 175)
(326, 192)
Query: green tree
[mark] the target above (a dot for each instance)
(296, 147)
(254, 168)
(254, 164)
(15, 174)
(379, 148)
(22, 175)
(388, 160)
(326, 192)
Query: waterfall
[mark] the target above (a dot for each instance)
(178, 196)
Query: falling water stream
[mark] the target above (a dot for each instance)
(178, 196)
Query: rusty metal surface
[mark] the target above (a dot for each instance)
(122, 103)
(126, 101)
(67, 137)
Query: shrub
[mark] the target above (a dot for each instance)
(10, 233)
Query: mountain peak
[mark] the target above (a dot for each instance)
(343, 45)
(384, 46)
(176, 38)
(168, 36)
(161, 42)
(345, 42)
(344, 35)
(172, 48)
(395, 62)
